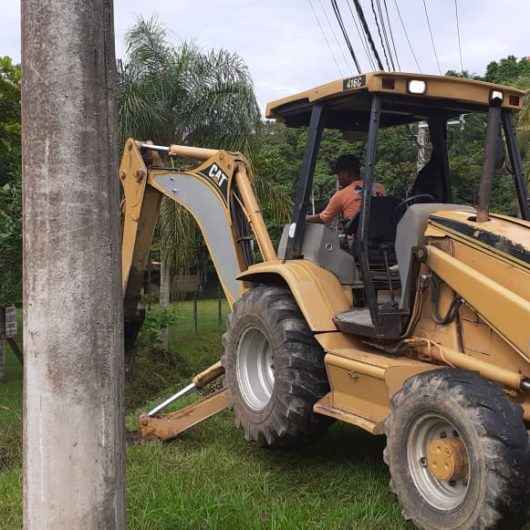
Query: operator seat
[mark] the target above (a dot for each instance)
(382, 223)
(409, 235)
(382, 226)
(381, 236)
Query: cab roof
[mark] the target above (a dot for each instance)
(348, 100)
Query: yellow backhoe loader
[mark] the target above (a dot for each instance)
(416, 325)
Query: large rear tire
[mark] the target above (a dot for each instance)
(274, 369)
(457, 450)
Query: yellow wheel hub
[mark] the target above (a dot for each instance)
(447, 459)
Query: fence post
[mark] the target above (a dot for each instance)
(195, 314)
(2, 360)
(8, 333)
(219, 308)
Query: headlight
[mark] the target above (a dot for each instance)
(496, 96)
(416, 86)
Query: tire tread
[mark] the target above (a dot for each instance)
(300, 371)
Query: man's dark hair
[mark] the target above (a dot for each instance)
(346, 162)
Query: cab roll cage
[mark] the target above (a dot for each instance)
(496, 117)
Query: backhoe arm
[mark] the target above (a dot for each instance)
(218, 194)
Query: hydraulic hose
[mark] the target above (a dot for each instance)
(452, 312)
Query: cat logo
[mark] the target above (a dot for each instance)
(218, 175)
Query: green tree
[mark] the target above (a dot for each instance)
(507, 70)
(180, 94)
(10, 184)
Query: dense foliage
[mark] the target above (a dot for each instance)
(508, 70)
(10, 183)
(182, 94)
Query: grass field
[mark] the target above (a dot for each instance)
(211, 478)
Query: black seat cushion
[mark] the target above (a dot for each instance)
(382, 225)
(383, 220)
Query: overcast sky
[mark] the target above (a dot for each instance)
(286, 51)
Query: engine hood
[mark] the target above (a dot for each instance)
(504, 235)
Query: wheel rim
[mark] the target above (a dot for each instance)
(443, 495)
(255, 372)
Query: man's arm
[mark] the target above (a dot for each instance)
(331, 210)
(313, 218)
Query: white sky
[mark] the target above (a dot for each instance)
(284, 47)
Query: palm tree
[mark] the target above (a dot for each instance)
(179, 94)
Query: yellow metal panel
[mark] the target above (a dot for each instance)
(324, 407)
(359, 394)
(508, 228)
(441, 87)
(172, 425)
(363, 381)
(447, 335)
(506, 311)
(318, 292)
(333, 341)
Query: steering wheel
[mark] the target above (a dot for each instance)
(409, 200)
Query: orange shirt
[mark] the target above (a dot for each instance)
(347, 201)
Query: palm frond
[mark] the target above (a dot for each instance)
(178, 94)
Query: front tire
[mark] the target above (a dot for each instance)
(274, 369)
(457, 450)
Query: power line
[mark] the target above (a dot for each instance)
(362, 37)
(392, 35)
(407, 36)
(432, 38)
(334, 33)
(385, 34)
(366, 29)
(326, 39)
(340, 22)
(380, 36)
(459, 38)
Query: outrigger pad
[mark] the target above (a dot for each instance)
(170, 426)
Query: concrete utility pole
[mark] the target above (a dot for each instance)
(424, 145)
(73, 317)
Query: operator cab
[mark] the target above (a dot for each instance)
(383, 262)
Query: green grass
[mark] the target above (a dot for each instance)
(11, 445)
(211, 478)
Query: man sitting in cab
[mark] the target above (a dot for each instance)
(345, 202)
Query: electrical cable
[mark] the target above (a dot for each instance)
(407, 36)
(452, 311)
(392, 36)
(366, 29)
(432, 38)
(385, 34)
(362, 37)
(326, 39)
(459, 38)
(380, 36)
(340, 22)
(334, 33)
